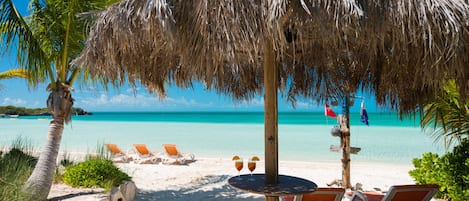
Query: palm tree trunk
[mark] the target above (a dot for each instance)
(40, 181)
(60, 104)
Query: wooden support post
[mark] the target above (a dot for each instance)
(270, 117)
(345, 144)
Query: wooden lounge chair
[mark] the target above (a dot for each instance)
(321, 194)
(117, 154)
(174, 156)
(145, 155)
(422, 192)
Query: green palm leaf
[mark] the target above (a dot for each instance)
(16, 31)
(447, 117)
(19, 73)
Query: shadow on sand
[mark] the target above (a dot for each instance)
(211, 187)
(73, 195)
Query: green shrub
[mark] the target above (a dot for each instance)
(450, 171)
(59, 169)
(16, 156)
(455, 166)
(94, 173)
(427, 169)
(15, 167)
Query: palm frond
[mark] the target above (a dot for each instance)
(447, 117)
(14, 73)
(49, 38)
(16, 31)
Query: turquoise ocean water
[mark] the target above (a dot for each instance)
(302, 136)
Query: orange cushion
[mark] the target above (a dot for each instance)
(142, 149)
(171, 149)
(113, 148)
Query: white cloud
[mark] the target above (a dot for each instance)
(122, 99)
(132, 90)
(14, 101)
(181, 101)
(303, 105)
(116, 100)
(138, 102)
(39, 104)
(150, 102)
(256, 102)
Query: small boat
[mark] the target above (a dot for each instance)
(13, 116)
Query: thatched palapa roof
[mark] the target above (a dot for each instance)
(403, 50)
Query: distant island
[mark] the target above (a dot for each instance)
(22, 111)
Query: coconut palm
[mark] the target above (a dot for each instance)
(447, 116)
(47, 40)
(401, 50)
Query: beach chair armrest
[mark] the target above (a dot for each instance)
(188, 156)
(358, 196)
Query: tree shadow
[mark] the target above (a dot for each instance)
(211, 187)
(72, 195)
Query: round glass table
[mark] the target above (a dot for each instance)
(287, 185)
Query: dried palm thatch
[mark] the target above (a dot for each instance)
(402, 50)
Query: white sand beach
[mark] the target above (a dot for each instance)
(304, 151)
(206, 179)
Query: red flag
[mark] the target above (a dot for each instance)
(329, 112)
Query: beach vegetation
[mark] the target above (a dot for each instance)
(23, 111)
(95, 173)
(46, 42)
(101, 153)
(447, 116)
(16, 164)
(59, 170)
(66, 161)
(450, 171)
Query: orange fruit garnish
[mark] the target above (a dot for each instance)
(235, 158)
(255, 158)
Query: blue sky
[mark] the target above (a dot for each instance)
(16, 92)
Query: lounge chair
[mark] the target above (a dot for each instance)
(321, 194)
(173, 156)
(145, 155)
(117, 154)
(422, 192)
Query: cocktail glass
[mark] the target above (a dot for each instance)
(239, 166)
(251, 167)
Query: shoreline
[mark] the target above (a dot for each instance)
(296, 142)
(206, 179)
